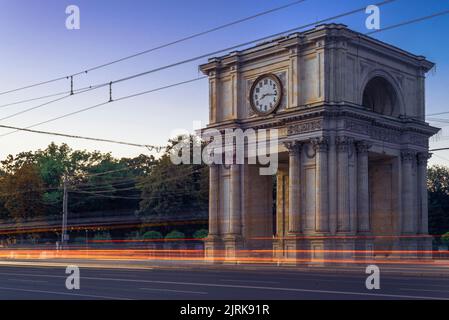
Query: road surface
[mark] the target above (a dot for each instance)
(22, 282)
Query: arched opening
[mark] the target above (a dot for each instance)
(380, 96)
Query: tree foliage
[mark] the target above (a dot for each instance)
(31, 182)
(173, 189)
(438, 186)
(152, 235)
(200, 234)
(175, 234)
(22, 193)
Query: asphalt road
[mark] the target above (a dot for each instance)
(20, 282)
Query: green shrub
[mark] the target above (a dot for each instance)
(152, 235)
(175, 234)
(201, 234)
(445, 238)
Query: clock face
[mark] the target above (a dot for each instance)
(266, 94)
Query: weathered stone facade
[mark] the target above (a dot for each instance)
(353, 148)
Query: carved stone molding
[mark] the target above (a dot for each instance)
(293, 147)
(320, 144)
(363, 147)
(423, 157)
(375, 132)
(418, 139)
(408, 155)
(305, 127)
(343, 143)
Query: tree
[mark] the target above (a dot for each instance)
(172, 189)
(438, 187)
(201, 234)
(97, 181)
(22, 193)
(445, 238)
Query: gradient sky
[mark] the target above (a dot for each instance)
(36, 46)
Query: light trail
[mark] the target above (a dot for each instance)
(197, 255)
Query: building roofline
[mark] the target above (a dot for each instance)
(330, 29)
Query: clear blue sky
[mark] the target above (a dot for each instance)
(37, 46)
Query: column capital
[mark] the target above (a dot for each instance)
(423, 157)
(320, 144)
(408, 155)
(293, 147)
(363, 146)
(343, 143)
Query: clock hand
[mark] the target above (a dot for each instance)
(266, 94)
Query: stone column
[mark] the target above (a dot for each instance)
(344, 216)
(423, 211)
(214, 172)
(409, 219)
(294, 191)
(363, 214)
(235, 225)
(333, 185)
(321, 146)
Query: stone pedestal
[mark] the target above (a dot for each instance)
(232, 247)
(425, 247)
(364, 248)
(214, 249)
(320, 252)
(278, 249)
(296, 251)
(409, 246)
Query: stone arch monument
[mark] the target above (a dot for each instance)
(353, 148)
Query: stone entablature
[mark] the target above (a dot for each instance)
(347, 119)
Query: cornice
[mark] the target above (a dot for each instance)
(329, 113)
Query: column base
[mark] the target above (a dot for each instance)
(278, 249)
(425, 247)
(409, 247)
(295, 251)
(417, 247)
(314, 252)
(213, 249)
(322, 252)
(351, 250)
(233, 244)
(364, 249)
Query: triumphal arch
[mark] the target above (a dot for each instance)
(352, 151)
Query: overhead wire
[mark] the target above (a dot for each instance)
(195, 35)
